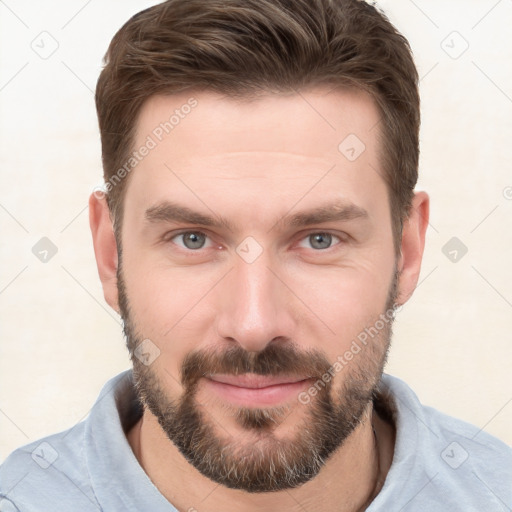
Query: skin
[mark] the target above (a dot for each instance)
(256, 164)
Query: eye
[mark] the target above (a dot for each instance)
(192, 240)
(319, 241)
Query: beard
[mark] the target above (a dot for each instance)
(262, 461)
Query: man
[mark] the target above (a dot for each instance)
(258, 232)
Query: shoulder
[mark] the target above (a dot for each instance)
(64, 471)
(48, 474)
(471, 459)
(445, 460)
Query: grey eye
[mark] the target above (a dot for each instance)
(320, 240)
(193, 239)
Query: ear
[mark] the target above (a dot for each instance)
(413, 243)
(105, 246)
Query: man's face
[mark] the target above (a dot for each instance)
(257, 241)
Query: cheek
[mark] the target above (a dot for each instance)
(170, 306)
(342, 302)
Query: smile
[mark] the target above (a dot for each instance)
(256, 390)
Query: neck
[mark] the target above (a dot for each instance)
(349, 481)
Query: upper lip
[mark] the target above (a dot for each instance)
(254, 381)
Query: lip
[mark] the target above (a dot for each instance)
(256, 390)
(254, 381)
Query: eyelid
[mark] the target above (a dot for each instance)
(168, 235)
(171, 235)
(342, 237)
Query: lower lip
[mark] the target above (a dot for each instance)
(270, 395)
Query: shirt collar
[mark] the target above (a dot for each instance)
(116, 475)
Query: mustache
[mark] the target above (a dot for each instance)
(278, 358)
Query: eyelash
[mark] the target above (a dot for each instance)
(332, 235)
(169, 237)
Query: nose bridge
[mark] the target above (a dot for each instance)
(254, 310)
(257, 297)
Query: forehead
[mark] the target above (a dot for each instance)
(311, 123)
(205, 147)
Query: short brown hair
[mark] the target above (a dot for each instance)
(246, 47)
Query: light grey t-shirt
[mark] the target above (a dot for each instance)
(440, 463)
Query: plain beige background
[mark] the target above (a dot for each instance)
(59, 340)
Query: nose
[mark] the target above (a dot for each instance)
(255, 307)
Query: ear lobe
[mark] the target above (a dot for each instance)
(105, 247)
(413, 243)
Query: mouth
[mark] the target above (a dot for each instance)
(256, 390)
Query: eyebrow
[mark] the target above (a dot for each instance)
(340, 211)
(337, 211)
(174, 212)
